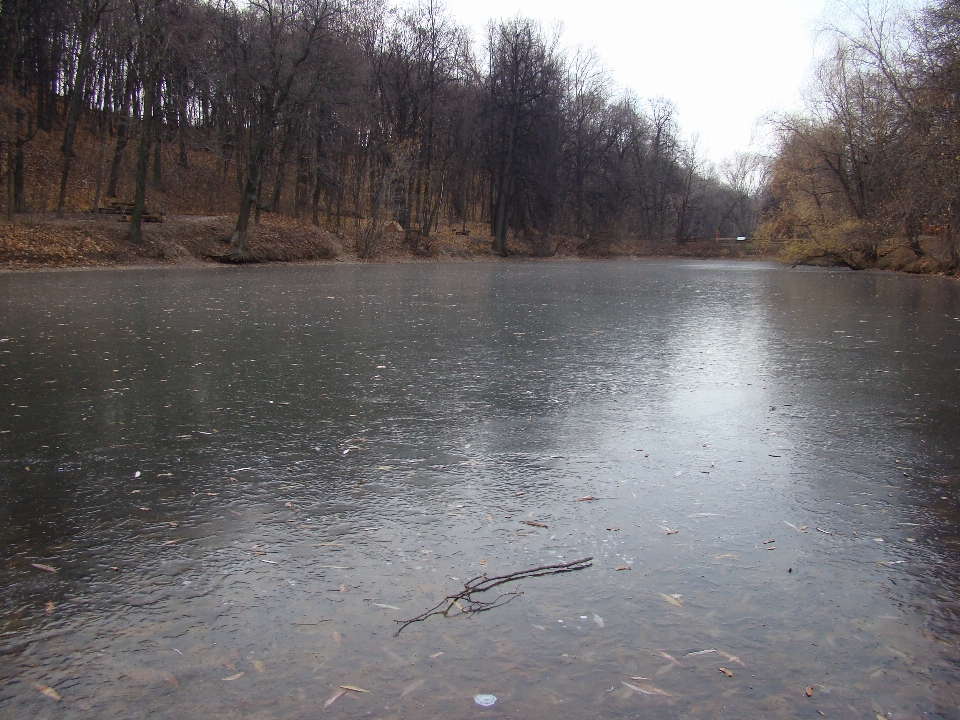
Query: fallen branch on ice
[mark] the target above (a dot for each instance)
(466, 604)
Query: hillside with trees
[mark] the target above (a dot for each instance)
(353, 115)
(868, 175)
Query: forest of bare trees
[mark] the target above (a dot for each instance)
(349, 113)
(870, 169)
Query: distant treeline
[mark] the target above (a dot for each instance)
(874, 161)
(352, 112)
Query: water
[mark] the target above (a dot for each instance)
(260, 470)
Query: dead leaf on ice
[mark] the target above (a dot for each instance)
(436, 655)
(725, 671)
(233, 677)
(731, 658)
(647, 689)
(809, 691)
(354, 688)
(533, 523)
(671, 658)
(45, 568)
(412, 686)
(671, 599)
(48, 691)
(336, 696)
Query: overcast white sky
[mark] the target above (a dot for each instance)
(723, 62)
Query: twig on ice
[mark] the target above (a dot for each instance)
(468, 605)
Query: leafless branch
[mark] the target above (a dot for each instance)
(466, 604)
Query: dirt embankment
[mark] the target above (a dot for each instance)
(922, 255)
(84, 240)
(928, 255)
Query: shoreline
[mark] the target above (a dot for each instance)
(42, 243)
(85, 241)
(212, 265)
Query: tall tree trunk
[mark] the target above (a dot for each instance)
(283, 156)
(426, 209)
(500, 224)
(73, 117)
(11, 161)
(274, 203)
(407, 194)
(10, 191)
(341, 190)
(143, 161)
(258, 203)
(183, 161)
(238, 240)
(298, 187)
(15, 181)
(120, 146)
(19, 193)
(249, 197)
(434, 215)
(103, 144)
(317, 190)
(122, 135)
(157, 157)
(317, 179)
(426, 206)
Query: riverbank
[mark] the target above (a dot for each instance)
(83, 240)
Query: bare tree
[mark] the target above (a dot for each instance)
(317, 99)
(744, 177)
(153, 38)
(587, 133)
(271, 51)
(523, 105)
(88, 15)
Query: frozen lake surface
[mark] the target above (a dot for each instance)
(221, 488)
